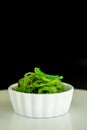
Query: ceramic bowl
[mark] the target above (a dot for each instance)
(41, 105)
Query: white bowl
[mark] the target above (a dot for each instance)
(41, 105)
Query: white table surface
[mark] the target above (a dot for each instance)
(74, 119)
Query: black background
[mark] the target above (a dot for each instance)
(56, 43)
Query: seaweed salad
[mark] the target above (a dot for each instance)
(40, 83)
